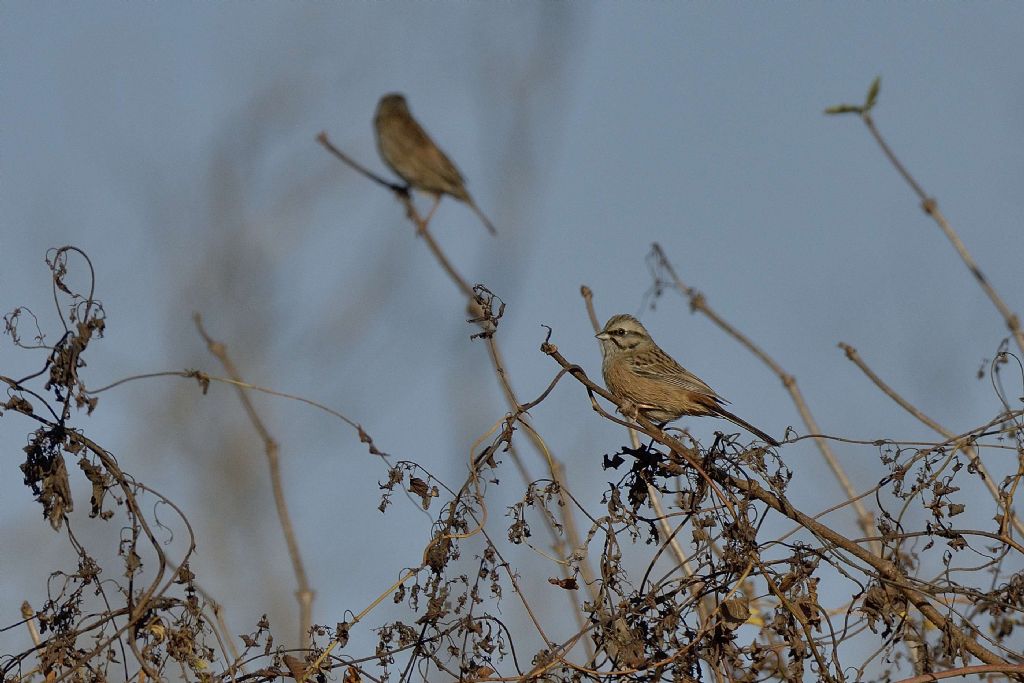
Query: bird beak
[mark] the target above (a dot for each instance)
(603, 335)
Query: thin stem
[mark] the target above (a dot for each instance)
(303, 594)
(931, 207)
(966, 671)
(325, 141)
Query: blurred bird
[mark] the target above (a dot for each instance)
(409, 152)
(637, 370)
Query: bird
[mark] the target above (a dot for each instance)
(408, 151)
(637, 370)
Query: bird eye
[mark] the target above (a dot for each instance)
(618, 332)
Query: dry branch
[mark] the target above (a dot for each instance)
(931, 207)
(303, 593)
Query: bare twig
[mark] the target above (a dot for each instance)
(931, 207)
(204, 379)
(329, 146)
(369, 608)
(965, 671)
(588, 300)
(303, 594)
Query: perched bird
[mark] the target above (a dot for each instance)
(636, 369)
(409, 152)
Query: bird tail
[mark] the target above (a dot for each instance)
(722, 412)
(487, 223)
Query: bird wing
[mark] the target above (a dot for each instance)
(413, 155)
(666, 370)
(452, 180)
(421, 146)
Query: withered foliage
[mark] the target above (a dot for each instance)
(98, 623)
(697, 562)
(688, 584)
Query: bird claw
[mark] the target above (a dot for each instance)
(629, 409)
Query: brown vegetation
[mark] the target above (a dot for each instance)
(669, 577)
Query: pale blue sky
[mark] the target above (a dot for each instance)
(174, 142)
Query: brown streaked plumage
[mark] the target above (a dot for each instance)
(636, 369)
(415, 158)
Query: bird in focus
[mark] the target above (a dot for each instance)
(412, 155)
(637, 370)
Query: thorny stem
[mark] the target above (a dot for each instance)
(698, 303)
(303, 594)
(555, 468)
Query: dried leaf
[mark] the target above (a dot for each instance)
(735, 612)
(568, 584)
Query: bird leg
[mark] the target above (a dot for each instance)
(430, 214)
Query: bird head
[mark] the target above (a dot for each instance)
(392, 103)
(622, 333)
